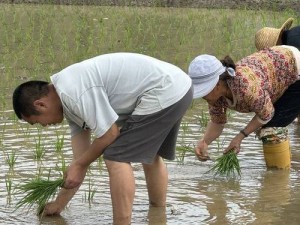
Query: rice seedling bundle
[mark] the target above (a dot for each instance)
(38, 191)
(227, 165)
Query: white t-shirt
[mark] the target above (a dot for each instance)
(100, 91)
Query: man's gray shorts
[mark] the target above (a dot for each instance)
(142, 137)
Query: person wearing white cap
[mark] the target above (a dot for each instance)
(266, 83)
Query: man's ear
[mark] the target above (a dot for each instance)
(40, 105)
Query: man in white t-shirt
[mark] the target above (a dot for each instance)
(131, 102)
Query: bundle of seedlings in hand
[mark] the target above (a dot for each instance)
(226, 165)
(38, 191)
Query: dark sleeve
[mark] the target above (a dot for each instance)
(292, 37)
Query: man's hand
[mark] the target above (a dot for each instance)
(51, 209)
(74, 175)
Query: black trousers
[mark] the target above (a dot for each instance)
(287, 107)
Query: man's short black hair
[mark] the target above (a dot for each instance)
(24, 96)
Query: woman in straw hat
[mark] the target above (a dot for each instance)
(285, 35)
(266, 83)
(269, 36)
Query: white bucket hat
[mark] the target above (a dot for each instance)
(204, 71)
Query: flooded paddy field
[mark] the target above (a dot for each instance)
(259, 196)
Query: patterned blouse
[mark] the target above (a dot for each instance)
(260, 80)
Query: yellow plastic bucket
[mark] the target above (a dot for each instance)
(278, 155)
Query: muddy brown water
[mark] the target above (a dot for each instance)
(260, 196)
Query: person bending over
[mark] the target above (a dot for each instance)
(266, 83)
(132, 103)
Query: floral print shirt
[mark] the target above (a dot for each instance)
(260, 80)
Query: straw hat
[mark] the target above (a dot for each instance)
(268, 36)
(204, 71)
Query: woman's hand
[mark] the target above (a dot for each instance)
(201, 150)
(235, 144)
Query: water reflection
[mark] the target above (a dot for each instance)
(217, 191)
(273, 195)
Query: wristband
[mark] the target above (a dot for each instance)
(244, 133)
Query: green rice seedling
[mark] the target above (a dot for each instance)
(39, 149)
(227, 165)
(38, 191)
(40, 170)
(62, 168)
(11, 159)
(59, 144)
(90, 194)
(8, 184)
(193, 101)
(100, 164)
(25, 129)
(181, 152)
(220, 144)
(185, 127)
(3, 128)
(203, 119)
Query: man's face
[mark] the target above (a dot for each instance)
(45, 118)
(49, 110)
